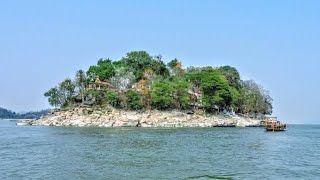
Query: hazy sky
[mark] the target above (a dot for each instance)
(273, 42)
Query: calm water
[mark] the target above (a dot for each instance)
(28, 152)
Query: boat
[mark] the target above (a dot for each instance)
(272, 124)
(23, 123)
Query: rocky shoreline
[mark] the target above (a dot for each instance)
(109, 117)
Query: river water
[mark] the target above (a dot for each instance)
(33, 152)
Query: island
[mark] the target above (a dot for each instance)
(140, 90)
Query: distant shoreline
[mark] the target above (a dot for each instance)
(6, 119)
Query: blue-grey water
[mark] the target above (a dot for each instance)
(30, 152)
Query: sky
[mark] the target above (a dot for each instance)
(275, 43)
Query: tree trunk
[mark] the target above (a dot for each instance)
(82, 96)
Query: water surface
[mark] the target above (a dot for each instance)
(33, 152)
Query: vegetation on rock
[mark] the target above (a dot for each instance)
(139, 81)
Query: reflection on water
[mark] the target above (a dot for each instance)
(29, 152)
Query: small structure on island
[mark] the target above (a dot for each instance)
(272, 124)
(98, 84)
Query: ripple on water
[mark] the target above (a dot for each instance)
(210, 177)
(158, 153)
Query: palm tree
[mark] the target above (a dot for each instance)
(81, 82)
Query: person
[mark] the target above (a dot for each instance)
(267, 121)
(273, 124)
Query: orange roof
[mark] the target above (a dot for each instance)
(102, 82)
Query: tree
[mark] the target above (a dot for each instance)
(235, 94)
(181, 95)
(175, 67)
(149, 75)
(143, 88)
(61, 95)
(254, 99)
(54, 97)
(122, 78)
(7, 114)
(94, 96)
(161, 94)
(67, 89)
(134, 100)
(160, 68)
(104, 70)
(139, 80)
(194, 79)
(80, 81)
(112, 98)
(215, 89)
(216, 92)
(139, 61)
(231, 74)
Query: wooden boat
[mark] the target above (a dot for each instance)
(23, 122)
(272, 124)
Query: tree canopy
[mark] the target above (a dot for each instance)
(141, 81)
(7, 114)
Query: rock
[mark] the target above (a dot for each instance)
(90, 111)
(190, 112)
(247, 123)
(118, 124)
(110, 117)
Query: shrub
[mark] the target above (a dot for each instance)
(112, 98)
(134, 100)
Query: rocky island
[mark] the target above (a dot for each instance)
(140, 90)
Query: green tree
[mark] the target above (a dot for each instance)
(181, 95)
(112, 98)
(141, 80)
(54, 97)
(139, 61)
(134, 100)
(231, 74)
(7, 114)
(161, 94)
(62, 95)
(216, 92)
(104, 70)
(80, 82)
(67, 90)
(67, 87)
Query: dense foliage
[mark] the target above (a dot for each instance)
(7, 114)
(140, 81)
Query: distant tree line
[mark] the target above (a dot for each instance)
(139, 81)
(7, 114)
